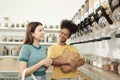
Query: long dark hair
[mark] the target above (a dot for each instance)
(28, 39)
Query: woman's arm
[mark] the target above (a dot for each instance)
(80, 62)
(59, 61)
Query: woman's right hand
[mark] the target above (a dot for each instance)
(46, 62)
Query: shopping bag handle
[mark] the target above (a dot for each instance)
(23, 75)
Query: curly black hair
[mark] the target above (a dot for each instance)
(68, 24)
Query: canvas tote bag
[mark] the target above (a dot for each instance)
(23, 75)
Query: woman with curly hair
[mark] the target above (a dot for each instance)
(64, 69)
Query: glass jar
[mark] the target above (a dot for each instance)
(17, 25)
(21, 38)
(10, 38)
(45, 26)
(95, 60)
(4, 50)
(1, 54)
(15, 51)
(0, 24)
(91, 6)
(6, 22)
(4, 38)
(82, 12)
(16, 38)
(79, 14)
(57, 27)
(86, 5)
(105, 4)
(51, 27)
(23, 25)
(99, 62)
(114, 66)
(49, 38)
(91, 59)
(116, 12)
(119, 68)
(106, 64)
(88, 59)
(54, 38)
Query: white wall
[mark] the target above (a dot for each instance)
(46, 11)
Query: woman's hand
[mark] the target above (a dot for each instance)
(46, 62)
(73, 64)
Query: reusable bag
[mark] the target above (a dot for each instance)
(69, 55)
(23, 75)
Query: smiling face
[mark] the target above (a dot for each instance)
(64, 35)
(38, 34)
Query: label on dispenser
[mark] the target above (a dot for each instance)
(97, 4)
(82, 18)
(86, 15)
(103, 1)
(90, 11)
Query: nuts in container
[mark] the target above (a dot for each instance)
(106, 64)
(51, 38)
(21, 38)
(17, 25)
(15, 51)
(119, 68)
(3, 51)
(16, 38)
(6, 21)
(10, 38)
(4, 38)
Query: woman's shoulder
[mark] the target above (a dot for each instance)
(71, 46)
(54, 46)
(26, 45)
(44, 47)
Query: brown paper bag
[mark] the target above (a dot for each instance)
(71, 57)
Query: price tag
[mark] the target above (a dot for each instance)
(90, 11)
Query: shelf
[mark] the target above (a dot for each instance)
(105, 74)
(49, 70)
(16, 57)
(53, 30)
(18, 43)
(10, 43)
(8, 71)
(4, 28)
(23, 29)
(47, 43)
